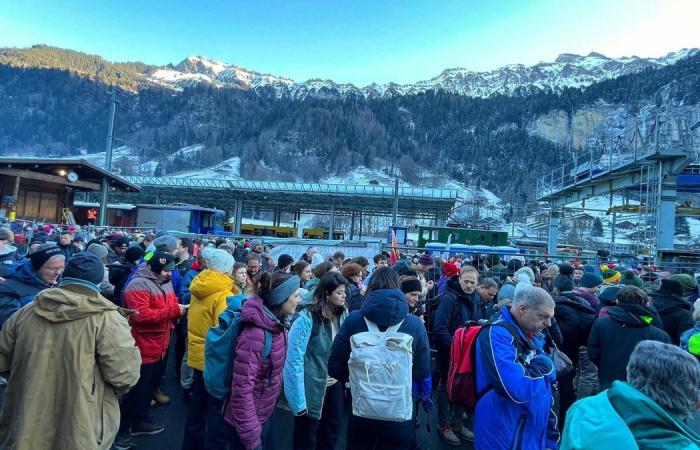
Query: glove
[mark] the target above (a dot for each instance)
(540, 365)
(422, 389)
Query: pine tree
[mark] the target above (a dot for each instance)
(682, 226)
(597, 227)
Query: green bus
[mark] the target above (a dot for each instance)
(466, 236)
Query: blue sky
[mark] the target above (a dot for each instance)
(356, 41)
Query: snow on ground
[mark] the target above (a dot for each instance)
(229, 169)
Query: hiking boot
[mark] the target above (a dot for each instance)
(124, 441)
(449, 436)
(465, 433)
(146, 427)
(161, 398)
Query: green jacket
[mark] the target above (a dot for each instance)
(624, 418)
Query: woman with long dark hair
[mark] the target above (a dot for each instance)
(315, 399)
(256, 381)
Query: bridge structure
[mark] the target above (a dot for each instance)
(354, 201)
(644, 163)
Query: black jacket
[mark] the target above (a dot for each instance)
(118, 276)
(613, 339)
(674, 312)
(454, 310)
(575, 318)
(353, 297)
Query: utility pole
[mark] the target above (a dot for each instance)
(108, 157)
(396, 199)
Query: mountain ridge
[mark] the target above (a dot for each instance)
(566, 71)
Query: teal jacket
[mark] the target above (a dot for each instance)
(624, 418)
(306, 366)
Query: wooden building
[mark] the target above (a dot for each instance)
(40, 188)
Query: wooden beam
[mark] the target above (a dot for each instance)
(28, 175)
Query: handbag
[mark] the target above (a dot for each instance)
(562, 363)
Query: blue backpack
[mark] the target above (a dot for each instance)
(220, 348)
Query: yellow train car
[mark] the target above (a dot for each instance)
(288, 232)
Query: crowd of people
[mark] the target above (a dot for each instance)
(566, 356)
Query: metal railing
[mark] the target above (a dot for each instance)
(663, 136)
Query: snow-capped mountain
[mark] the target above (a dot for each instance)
(568, 70)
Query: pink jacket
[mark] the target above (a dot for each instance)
(255, 384)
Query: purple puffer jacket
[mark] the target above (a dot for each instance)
(255, 384)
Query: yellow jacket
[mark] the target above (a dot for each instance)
(209, 292)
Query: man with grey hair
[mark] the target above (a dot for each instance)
(648, 411)
(514, 377)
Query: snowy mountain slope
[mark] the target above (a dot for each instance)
(567, 70)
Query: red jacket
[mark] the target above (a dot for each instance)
(157, 307)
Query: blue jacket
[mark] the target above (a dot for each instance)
(514, 412)
(306, 367)
(385, 307)
(185, 294)
(20, 287)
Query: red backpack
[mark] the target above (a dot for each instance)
(461, 378)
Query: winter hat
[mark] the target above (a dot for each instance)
(673, 287)
(524, 274)
(630, 279)
(220, 261)
(206, 253)
(166, 243)
(589, 268)
(608, 295)
(450, 269)
(565, 269)
(400, 266)
(84, 267)
(316, 260)
(285, 260)
(120, 241)
(161, 261)
(281, 293)
(686, 281)
(564, 283)
(134, 253)
(552, 271)
(590, 280)
(411, 285)
(513, 266)
(43, 253)
(611, 276)
(426, 260)
(98, 250)
(227, 248)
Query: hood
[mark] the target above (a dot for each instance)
(454, 287)
(666, 302)
(572, 300)
(143, 271)
(256, 313)
(70, 302)
(209, 282)
(631, 315)
(24, 272)
(647, 420)
(311, 284)
(8, 250)
(385, 307)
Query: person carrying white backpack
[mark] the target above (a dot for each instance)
(383, 352)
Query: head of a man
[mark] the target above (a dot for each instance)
(532, 309)
(666, 374)
(487, 289)
(338, 258)
(381, 260)
(65, 238)
(468, 279)
(578, 273)
(162, 264)
(253, 265)
(311, 251)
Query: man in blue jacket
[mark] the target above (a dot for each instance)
(514, 378)
(385, 308)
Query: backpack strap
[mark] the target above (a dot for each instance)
(268, 344)
(371, 326)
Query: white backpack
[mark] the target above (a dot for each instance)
(381, 367)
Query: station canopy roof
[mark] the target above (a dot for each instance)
(89, 175)
(290, 197)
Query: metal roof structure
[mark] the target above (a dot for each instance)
(88, 173)
(294, 197)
